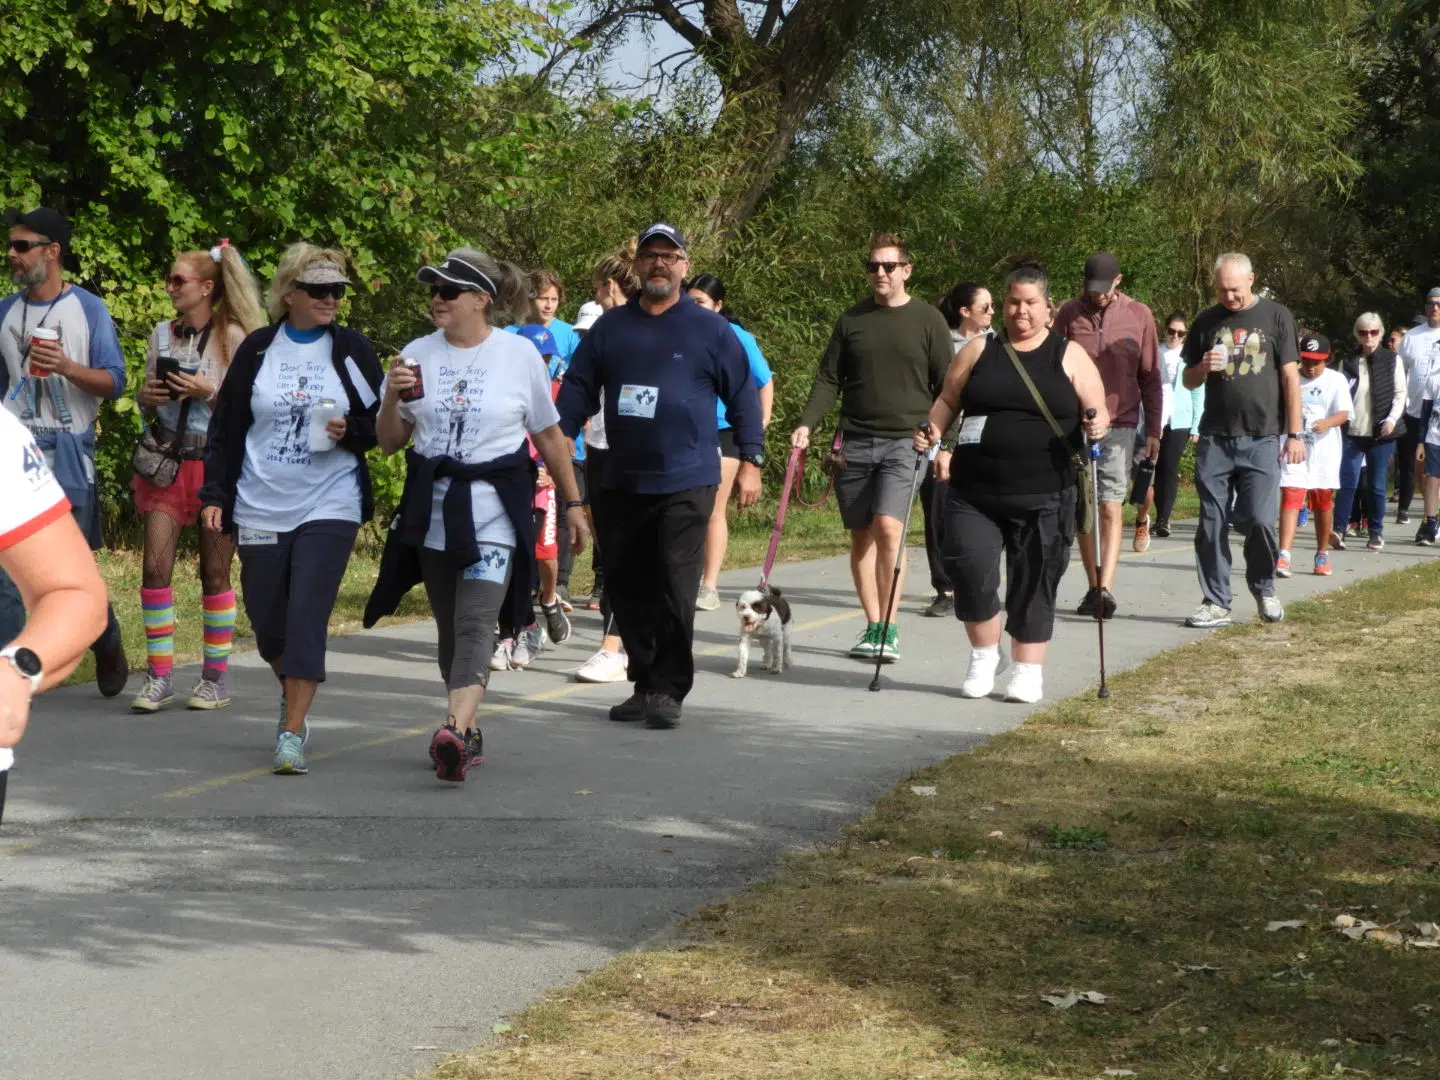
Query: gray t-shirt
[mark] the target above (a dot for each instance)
(1245, 398)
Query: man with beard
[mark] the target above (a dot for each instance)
(59, 359)
(661, 360)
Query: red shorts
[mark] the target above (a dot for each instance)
(547, 535)
(181, 500)
(1318, 500)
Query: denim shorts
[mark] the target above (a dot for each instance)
(1432, 461)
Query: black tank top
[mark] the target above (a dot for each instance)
(1005, 446)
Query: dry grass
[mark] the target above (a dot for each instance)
(1136, 847)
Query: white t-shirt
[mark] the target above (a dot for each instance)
(479, 404)
(1419, 351)
(282, 483)
(1171, 361)
(1325, 395)
(30, 498)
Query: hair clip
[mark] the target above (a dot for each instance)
(218, 251)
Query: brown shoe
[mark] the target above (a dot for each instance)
(1142, 535)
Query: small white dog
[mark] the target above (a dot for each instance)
(764, 614)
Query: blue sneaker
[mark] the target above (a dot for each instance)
(289, 755)
(280, 724)
(1304, 516)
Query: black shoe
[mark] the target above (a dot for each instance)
(661, 711)
(557, 623)
(1161, 529)
(632, 708)
(1425, 537)
(1402, 518)
(1087, 605)
(111, 667)
(562, 593)
(942, 605)
(1107, 604)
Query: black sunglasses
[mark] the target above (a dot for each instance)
(889, 267)
(1170, 331)
(322, 292)
(450, 292)
(22, 246)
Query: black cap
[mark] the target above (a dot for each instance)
(1101, 270)
(664, 232)
(458, 272)
(1314, 347)
(51, 224)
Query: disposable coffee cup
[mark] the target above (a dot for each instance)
(324, 411)
(42, 333)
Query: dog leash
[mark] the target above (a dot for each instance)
(797, 458)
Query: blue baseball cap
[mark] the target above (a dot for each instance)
(541, 338)
(662, 231)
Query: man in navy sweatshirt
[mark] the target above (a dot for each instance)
(661, 360)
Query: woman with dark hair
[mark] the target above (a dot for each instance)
(1181, 411)
(1012, 487)
(708, 291)
(969, 310)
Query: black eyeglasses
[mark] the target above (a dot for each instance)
(873, 267)
(22, 246)
(449, 292)
(1170, 331)
(322, 292)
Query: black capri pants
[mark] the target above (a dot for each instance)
(290, 581)
(1033, 532)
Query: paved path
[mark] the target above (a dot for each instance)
(169, 910)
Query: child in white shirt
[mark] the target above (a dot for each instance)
(1326, 405)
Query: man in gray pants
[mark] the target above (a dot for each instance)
(1244, 350)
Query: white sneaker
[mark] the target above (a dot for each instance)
(1027, 684)
(500, 658)
(980, 677)
(1270, 608)
(528, 646)
(1208, 616)
(604, 667)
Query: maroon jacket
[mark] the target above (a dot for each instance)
(1121, 340)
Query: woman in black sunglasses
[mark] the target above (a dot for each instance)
(285, 472)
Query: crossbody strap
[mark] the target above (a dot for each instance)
(1035, 393)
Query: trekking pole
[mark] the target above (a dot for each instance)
(1095, 448)
(921, 460)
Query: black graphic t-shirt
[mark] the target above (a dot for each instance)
(1245, 398)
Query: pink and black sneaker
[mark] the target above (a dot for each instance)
(447, 754)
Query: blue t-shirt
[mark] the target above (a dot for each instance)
(759, 369)
(661, 375)
(567, 341)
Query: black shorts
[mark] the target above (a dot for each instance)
(727, 444)
(290, 581)
(594, 469)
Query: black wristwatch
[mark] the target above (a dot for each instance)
(574, 504)
(1292, 435)
(758, 460)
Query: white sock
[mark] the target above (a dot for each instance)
(989, 652)
(1025, 671)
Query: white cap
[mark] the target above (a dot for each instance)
(588, 315)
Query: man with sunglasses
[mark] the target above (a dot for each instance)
(661, 360)
(61, 359)
(1419, 352)
(1118, 333)
(886, 363)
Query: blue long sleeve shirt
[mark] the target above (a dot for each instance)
(661, 375)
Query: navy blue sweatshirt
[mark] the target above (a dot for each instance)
(661, 375)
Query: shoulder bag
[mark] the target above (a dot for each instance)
(1084, 485)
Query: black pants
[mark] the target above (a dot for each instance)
(594, 468)
(932, 506)
(1405, 449)
(1033, 533)
(1167, 471)
(654, 549)
(567, 557)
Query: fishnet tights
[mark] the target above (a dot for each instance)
(162, 537)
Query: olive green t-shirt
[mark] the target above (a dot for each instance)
(886, 365)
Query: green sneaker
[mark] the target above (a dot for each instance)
(866, 644)
(289, 755)
(890, 651)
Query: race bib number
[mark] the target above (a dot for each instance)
(971, 428)
(492, 565)
(638, 401)
(257, 538)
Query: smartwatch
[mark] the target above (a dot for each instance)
(26, 664)
(758, 460)
(574, 504)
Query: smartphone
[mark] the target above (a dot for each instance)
(165, 366)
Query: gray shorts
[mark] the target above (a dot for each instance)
(1116, 457)
(878, 478)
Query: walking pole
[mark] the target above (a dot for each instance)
(1095, 449)
(921, 460)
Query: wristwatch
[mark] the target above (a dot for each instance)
(1293, 435)
(758, 460)
(26, 664)
(574, 504)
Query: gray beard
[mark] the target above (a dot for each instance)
(31, 275)
(658, 291)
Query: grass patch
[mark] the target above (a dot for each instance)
(1292, 775)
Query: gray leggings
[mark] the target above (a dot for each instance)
(466, 607)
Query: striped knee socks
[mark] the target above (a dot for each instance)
(219, 632)
(158, 609)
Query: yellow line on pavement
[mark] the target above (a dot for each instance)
(485, 710)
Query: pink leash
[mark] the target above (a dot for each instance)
(792, 470)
